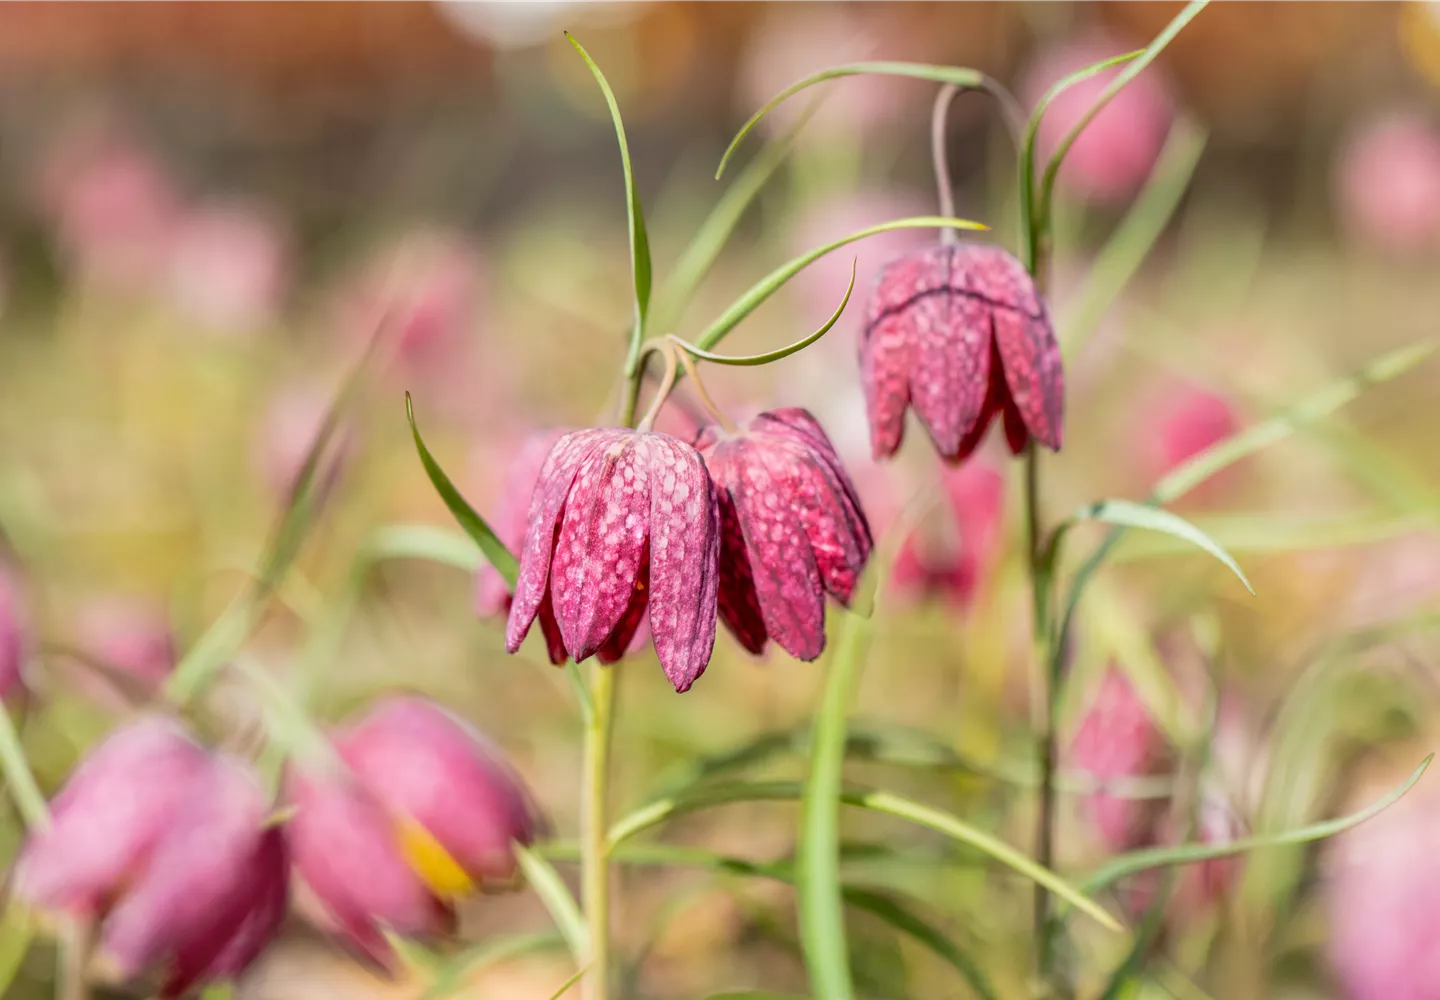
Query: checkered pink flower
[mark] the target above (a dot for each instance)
(622, 521)
(955, 557)
(791, 530)
(959, 332)
(1118, 739)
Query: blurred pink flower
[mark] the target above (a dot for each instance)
(212, 894)
(229, 265)
(291, 423)
(1382, 886)
(1387, 183)
(129, 635)
(1118, 739)
(112, 206)
(1178, 422)
(107, 819)
(955, 553)
(14, 634)
(1114, 155)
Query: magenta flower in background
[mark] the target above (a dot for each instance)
(14, 635)
(229, 265)
(1381, 885)
(1118, 739)
(622, 521)
(1112, 158)
(108, 818)
(791, 530)
(346, 849)
(1387, 184)
(952, 555)
(112, 207)
(1179, 421)
(960, 333)
(212, 894)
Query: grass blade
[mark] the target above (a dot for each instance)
(771, 283)
(1128, 514)
(449, 979)
(494, 550)
(422, 541)
(1131, 71)
(551, 889)
(640, 268)
(894, 913)
(960, 76)
(1128, 246)
(751, 360)
(1161, 857)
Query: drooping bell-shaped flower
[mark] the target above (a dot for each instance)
(108, 818)
(451, 788)
(791, 530)
(346, 849)
(620, 522)
(1119, 740)
(211, 895)
(960, 333)
(419, 810)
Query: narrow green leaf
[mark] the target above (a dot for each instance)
(817, 879)
(1132, 240)
(699, 256)
(1128, 514)
(960, 76)
(750, 360)
(771, 283)
(422, 541)
(941, 822)
(639, 241)
(1130, 72)
(450, 979)
(551, 889)
(474, 525)
(1161, 857)
(1278, 533)
(897, 915)
(567, 984)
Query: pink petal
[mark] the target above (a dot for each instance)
(739, 608)
(684, 557)
(546, 506)
(1033, 372)
(492, 596)
(623, 637)
(601, 543)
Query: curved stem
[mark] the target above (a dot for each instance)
(944, 188)
(594, 845)
(667, 382)
(688, 363)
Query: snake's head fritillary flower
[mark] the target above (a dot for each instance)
(14, 634)
(460, 806)
(108, 818)
(1116, 152)
(347, 851)
(1118, 740)
(620, 522)
(954, 554)
(212, 894)
(791, 530)
(960, 333)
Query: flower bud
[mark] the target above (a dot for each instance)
(791, 530)
(108, 818)
(457, 804)
(959, 332)
(212, 894)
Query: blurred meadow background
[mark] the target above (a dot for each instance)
(201, 206)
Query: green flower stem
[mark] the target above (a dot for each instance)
(23, 789)
(594, 843)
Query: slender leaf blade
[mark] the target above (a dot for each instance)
(483, 535)
(1128, 514)
(640, 267)
(958, 75)
(897, 915)
(551, 889)
(775, 280)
